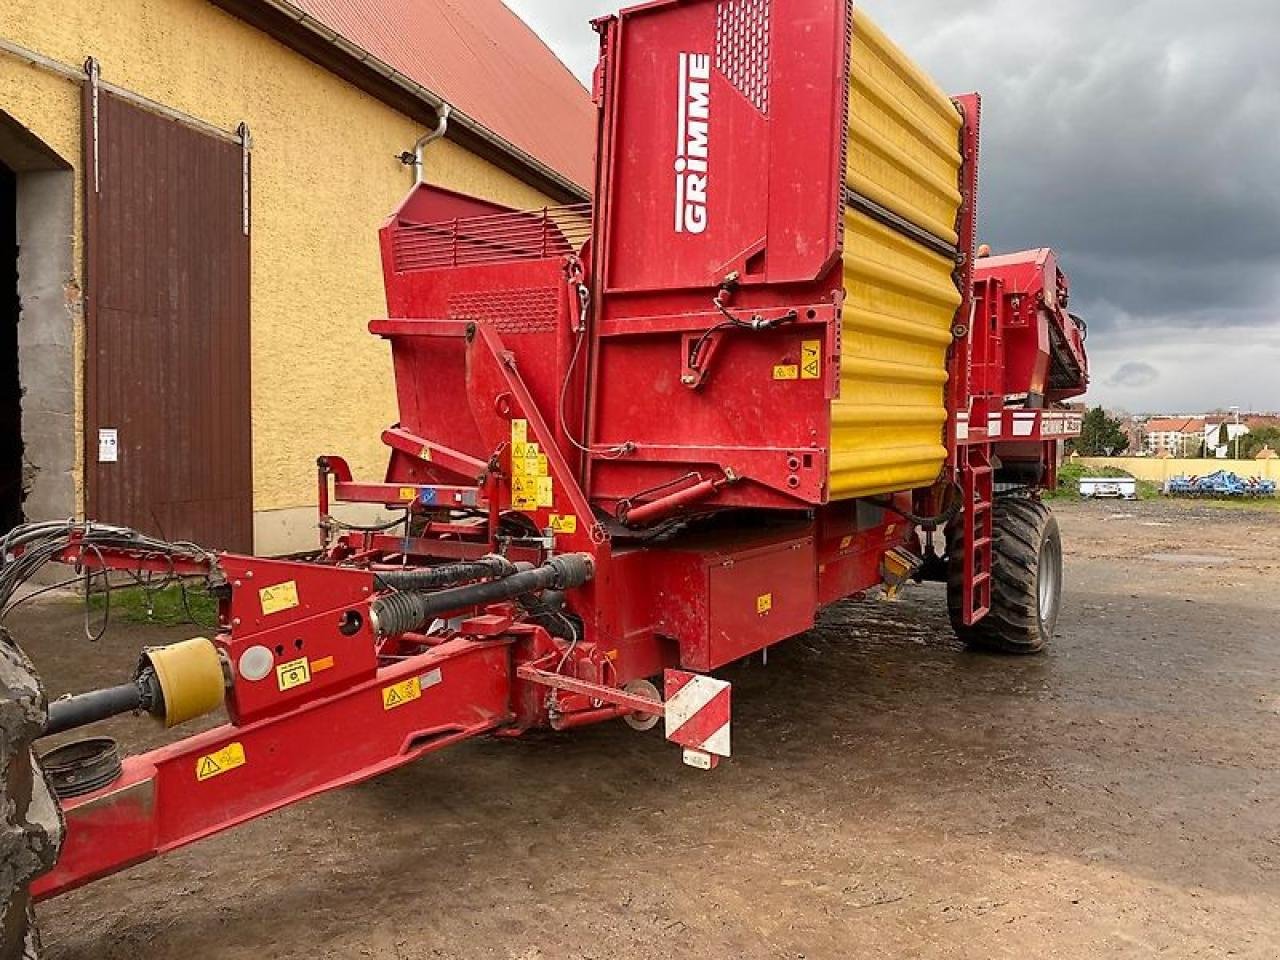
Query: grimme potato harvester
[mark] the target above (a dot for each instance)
(638, 440)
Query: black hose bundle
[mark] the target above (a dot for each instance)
(26, 548)
(445, 575)
(412, 610)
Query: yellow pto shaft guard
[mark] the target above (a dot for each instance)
(190, 677)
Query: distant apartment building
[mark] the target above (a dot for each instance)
(1175, 436)
(1209, 435)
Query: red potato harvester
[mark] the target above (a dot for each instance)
(638, 440)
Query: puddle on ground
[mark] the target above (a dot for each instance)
(1188, 559)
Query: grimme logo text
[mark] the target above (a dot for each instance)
(693, 105)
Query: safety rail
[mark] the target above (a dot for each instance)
(498, 238)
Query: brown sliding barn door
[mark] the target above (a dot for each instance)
(167, 416)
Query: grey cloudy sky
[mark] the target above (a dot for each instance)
(1141, 140)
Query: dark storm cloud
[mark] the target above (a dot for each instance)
(1135, 373)
(1141, 140)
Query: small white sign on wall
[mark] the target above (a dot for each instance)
(108, 445)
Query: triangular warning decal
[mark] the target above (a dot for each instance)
(220, 761)
(392, 697)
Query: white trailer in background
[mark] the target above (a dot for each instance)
(1122, 488)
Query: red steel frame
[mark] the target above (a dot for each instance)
(498, 346)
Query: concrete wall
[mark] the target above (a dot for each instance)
(324, 177)
(1159, 470)
(46, 345)
(50, 334)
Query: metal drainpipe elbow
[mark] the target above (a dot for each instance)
(420, 148)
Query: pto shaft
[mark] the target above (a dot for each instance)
(408, 610)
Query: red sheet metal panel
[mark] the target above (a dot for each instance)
(722, 156)
(731, 350)
(724, 599)
(724, 144)
(484, 60)
(167, 353)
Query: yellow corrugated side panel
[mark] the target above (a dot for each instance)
(900, 297)
(887, 425)
(903, 133)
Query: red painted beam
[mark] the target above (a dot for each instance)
(204, 784)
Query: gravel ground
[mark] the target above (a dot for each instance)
(891, 796)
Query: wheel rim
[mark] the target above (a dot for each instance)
(1049, 577)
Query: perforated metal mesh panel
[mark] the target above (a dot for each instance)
(529, 310)
(742, 47)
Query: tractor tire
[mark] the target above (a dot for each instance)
(31, 825)
(1026, 579)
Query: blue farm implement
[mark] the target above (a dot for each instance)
(1220, 484)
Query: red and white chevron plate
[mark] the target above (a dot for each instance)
(696, 713)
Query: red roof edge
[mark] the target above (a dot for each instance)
(303, 34)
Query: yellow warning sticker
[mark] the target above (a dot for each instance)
(810, 359)
(764, 603)
(398, 694)
(524, 493)
(228, 758)
(293, 674)
(519, 431)
(546, 492)
(281, 596)
(845, 541)
(408, 493)
(786, 371)
(425, 454)
(563, 523)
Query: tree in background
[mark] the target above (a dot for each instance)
(1224, 437)
(1255, 440)
(1100, 435)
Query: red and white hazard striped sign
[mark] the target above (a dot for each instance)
(697, 716)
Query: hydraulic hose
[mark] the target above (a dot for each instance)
(927, 523)
(447, 575)
(412, 609)
(85, 708)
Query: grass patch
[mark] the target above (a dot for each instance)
(1263, 504)
(164, 607)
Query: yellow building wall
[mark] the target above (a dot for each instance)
(1158, 469)
(324, 178)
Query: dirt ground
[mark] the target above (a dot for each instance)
(890, 796)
